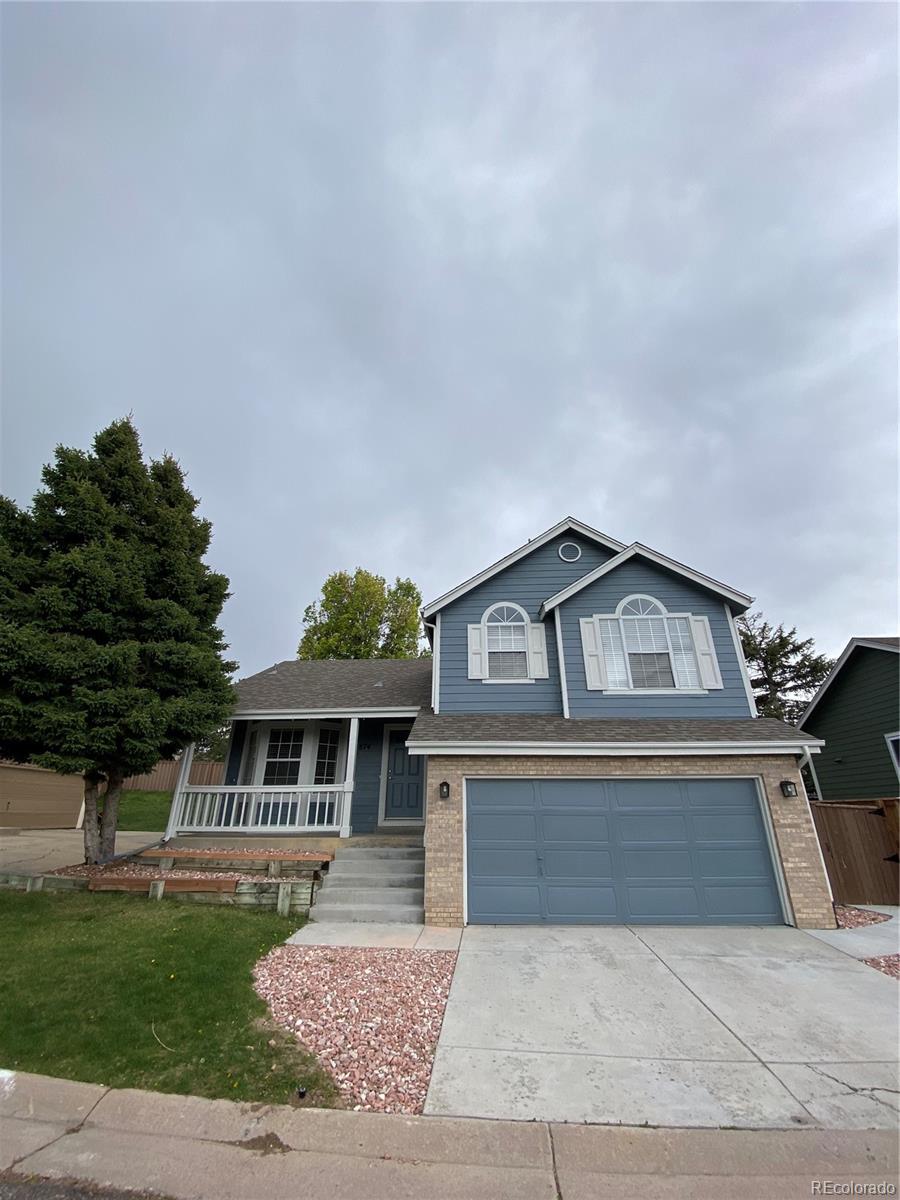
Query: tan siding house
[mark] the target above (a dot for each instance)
(32, 798)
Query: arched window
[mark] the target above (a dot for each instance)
(506, 639)
(645, 648)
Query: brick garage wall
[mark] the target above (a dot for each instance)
(795, 834)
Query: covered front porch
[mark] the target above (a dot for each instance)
(309, 776)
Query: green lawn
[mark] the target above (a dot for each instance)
(144, 811)
(87, 979)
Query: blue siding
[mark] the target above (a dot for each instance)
(529, 582)
(235, 751)
(678, 595)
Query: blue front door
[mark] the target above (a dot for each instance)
(403, 786)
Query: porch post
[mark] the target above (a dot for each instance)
(349, 776)
(184, 776)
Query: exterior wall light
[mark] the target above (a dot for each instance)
(444, 790)
(788, 788)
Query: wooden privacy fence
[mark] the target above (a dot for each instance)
(859, 842)
(164, 776)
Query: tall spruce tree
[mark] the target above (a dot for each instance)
(110, 656)
(784, 670)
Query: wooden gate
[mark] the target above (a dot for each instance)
(859, 842)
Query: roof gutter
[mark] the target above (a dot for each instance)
(610, 749)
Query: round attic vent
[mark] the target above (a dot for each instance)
(570, 552)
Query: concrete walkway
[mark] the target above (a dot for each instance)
(731, 1026)
(869, 941)
(35, 851)
(370, 934)
(193, 1149)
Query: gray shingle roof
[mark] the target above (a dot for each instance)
(477, 727)
(337, 684)
(889, 643)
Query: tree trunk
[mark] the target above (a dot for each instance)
(110, 816)
(91, 827)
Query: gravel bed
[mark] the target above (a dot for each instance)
(130, 870)
(849, 917)
(889, 963)
(371, 1016)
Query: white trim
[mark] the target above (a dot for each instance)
(505, 681)
(655, 691)
(436, 666)
(541, 540)
(895, 758)
(613, 749)
(349, 776)
(833, 673)
(665, 616)
(382, 784)
(742, 662)
(787, 910)
(184, 778)
(79, 824)
(563, 557)
(563, 684)
(302, 714)
(525, 624)
(661, 560)
(815, 777)
(663, 611)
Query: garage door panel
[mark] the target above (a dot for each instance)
(646, 793)
(667, 828)
(658, 864)
(568, 903)
(502, 862)
(726, 827)
(574, 827)
(748, 901)
(751, 862)
(503, 828)
(521, 903)
(577, 864)
(660, 851)
(659, 902)
(573, 793)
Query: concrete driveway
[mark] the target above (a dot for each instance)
(742, 1027)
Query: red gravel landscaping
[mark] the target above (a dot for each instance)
(889, 963)
(855, 918)
(371, 1016)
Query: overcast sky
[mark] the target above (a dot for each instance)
(403, 285)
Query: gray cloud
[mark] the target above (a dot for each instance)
(402, 285)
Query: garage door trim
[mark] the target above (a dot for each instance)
(771, 842)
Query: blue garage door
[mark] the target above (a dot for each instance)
(589, 851)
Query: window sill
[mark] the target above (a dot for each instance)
(507, 681)
(655, 692)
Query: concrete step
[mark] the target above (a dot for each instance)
(376, 895)
(362, 878)
(398, 853)
(389, 914)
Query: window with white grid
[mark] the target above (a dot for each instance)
(327, 755)
(506, 631)
(283, 757)
(644, 648)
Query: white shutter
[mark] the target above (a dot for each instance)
(477, 655)
(594, 667)
(537, 652)
(710, 676)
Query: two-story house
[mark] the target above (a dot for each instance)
(582, 747)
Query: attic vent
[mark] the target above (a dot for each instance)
(570, 552)
(379, 684)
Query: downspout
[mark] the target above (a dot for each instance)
(435, 661)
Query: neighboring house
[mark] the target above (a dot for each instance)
(857, 775)
(33, 798)
(583, 748)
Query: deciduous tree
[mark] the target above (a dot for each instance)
(359, 616)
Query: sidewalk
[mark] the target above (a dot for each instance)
(194, 1149)
(867, 941)
(36, 851)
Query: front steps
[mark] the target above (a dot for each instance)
(383, 884)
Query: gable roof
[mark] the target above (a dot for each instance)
(738, 599)
(339, 686)
(889, 644)
(568, 523)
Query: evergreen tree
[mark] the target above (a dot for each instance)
(784, 671)
(110, 656)
(359, 616)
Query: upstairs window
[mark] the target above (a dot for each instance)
(506, 630)
(642, 647)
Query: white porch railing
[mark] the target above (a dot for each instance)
(260, 809)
